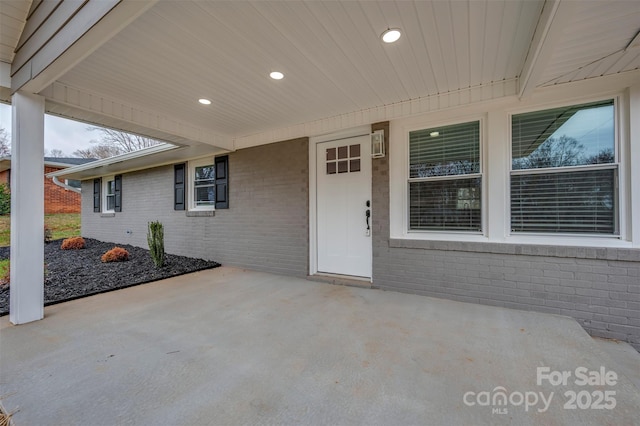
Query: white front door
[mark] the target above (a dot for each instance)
(343, 199)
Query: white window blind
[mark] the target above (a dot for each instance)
(445, 182)
(204, 185)
(564, 170)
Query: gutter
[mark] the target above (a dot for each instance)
(65, 186)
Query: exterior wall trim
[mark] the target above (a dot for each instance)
(599, 253)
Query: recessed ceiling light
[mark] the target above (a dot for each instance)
(204, 101)
(391, 35)
(434, 134)
(276, 75)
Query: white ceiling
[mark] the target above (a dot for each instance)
(330, 52)
(593, 43)
(332, 57)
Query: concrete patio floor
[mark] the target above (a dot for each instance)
(227, 347)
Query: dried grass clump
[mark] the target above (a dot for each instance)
(73, 243)
(5, 279)
(48, 234)
(116, 254)
(5, 417)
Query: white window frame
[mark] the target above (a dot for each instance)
(621, 196)
(192, 164)
(479, 174)
(105, 194)
(496, 147)
(416, 124)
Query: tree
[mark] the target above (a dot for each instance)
(57, 153)
(114, 142)
(98, 151)
(554, 152)
(5, 143)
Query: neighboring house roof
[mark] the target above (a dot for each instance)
(69, 161)
(59, 162)
(146, 158)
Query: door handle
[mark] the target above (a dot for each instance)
(368, 215)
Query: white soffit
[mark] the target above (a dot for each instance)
(594, 41)
(330, 53)
(13, 15)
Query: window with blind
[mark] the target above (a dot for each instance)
(445, 178)
(564, 170)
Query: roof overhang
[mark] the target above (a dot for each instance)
(154, 156)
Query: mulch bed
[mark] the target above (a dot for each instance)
(71, 274)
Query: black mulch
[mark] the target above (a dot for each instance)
(71, 274)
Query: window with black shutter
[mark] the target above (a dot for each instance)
(97, 185)
(178, 186)
(222, 182)
(117, 193)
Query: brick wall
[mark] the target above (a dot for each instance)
(599, 287)
(265, 228)
(56, 198)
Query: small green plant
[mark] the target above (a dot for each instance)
(155, 239)
(116, 254)
(5, 199)
(73, 243)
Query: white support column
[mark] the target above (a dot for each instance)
(27, 209)
(634, 164)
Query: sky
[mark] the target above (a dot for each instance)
(593, 128)
(59, 133)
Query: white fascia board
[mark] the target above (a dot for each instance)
(5, 75)
(5, 82)
(55, 164)
(130, 163)
(113, 160)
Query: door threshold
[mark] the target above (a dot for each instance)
(337, 279)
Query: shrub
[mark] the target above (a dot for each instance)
(73, 243)
(155, 239)
(116, 254)
(48, 234)
(5, 199)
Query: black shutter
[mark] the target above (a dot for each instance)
(117, 180)
(97, 185)
(222, 182)
(178, 186)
